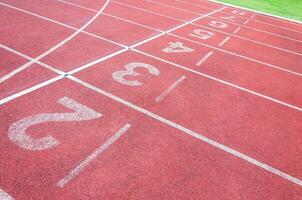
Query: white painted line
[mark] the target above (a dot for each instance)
(237, 30)
(28, 90)
(193, 134)
(49, 51)
(149, 11)
(30, 58)
(239, 55)
(80, 167)
(5, 196)
(62, 24)
(97, 61)
(224, 41)
(174, 7)
(221, 81)
(172, 87)
(203, 59)
(259, 12)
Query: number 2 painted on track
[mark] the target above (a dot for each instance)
(119, 76)
(17, 131)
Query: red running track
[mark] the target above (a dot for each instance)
(177, 99)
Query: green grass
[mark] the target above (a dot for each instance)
(286, 8)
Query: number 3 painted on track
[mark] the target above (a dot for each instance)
(119, 75)
(17, 131)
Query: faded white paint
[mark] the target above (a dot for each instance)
(5, 196)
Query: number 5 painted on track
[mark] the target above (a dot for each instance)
(119, 76)
(17, 131)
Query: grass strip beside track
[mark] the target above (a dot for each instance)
(290, 9)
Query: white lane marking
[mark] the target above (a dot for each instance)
(5, 196)
(61, 24)
(149, 11)
(174, 7)
(193, 133)
(224, 41)
(247, 21)
(17, 131)
(167, 91)
(97, 61)
(28, 90)
(271, 16)
(49, 51)
(30, 58)
(203, 59)
(237, 30)
(239, 55)
(221, 81)
(80, 167)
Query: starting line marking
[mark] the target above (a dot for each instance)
(202, 60)
(192, 133)
(172, 87)
(5, 196)
(80, 167)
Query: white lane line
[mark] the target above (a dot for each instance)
(19, 69)
(5, 196)
(80, 167)
(167, 91)
(237, 30)
(30, 58)
(28, 90)
(61, 24)
(203, 59)
(224, 41)
(238, 55)
(149, 11)
(193, 134)
(221, 81)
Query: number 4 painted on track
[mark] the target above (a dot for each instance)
(177, 47)
(17, 131)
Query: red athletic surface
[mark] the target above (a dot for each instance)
(246, 96)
